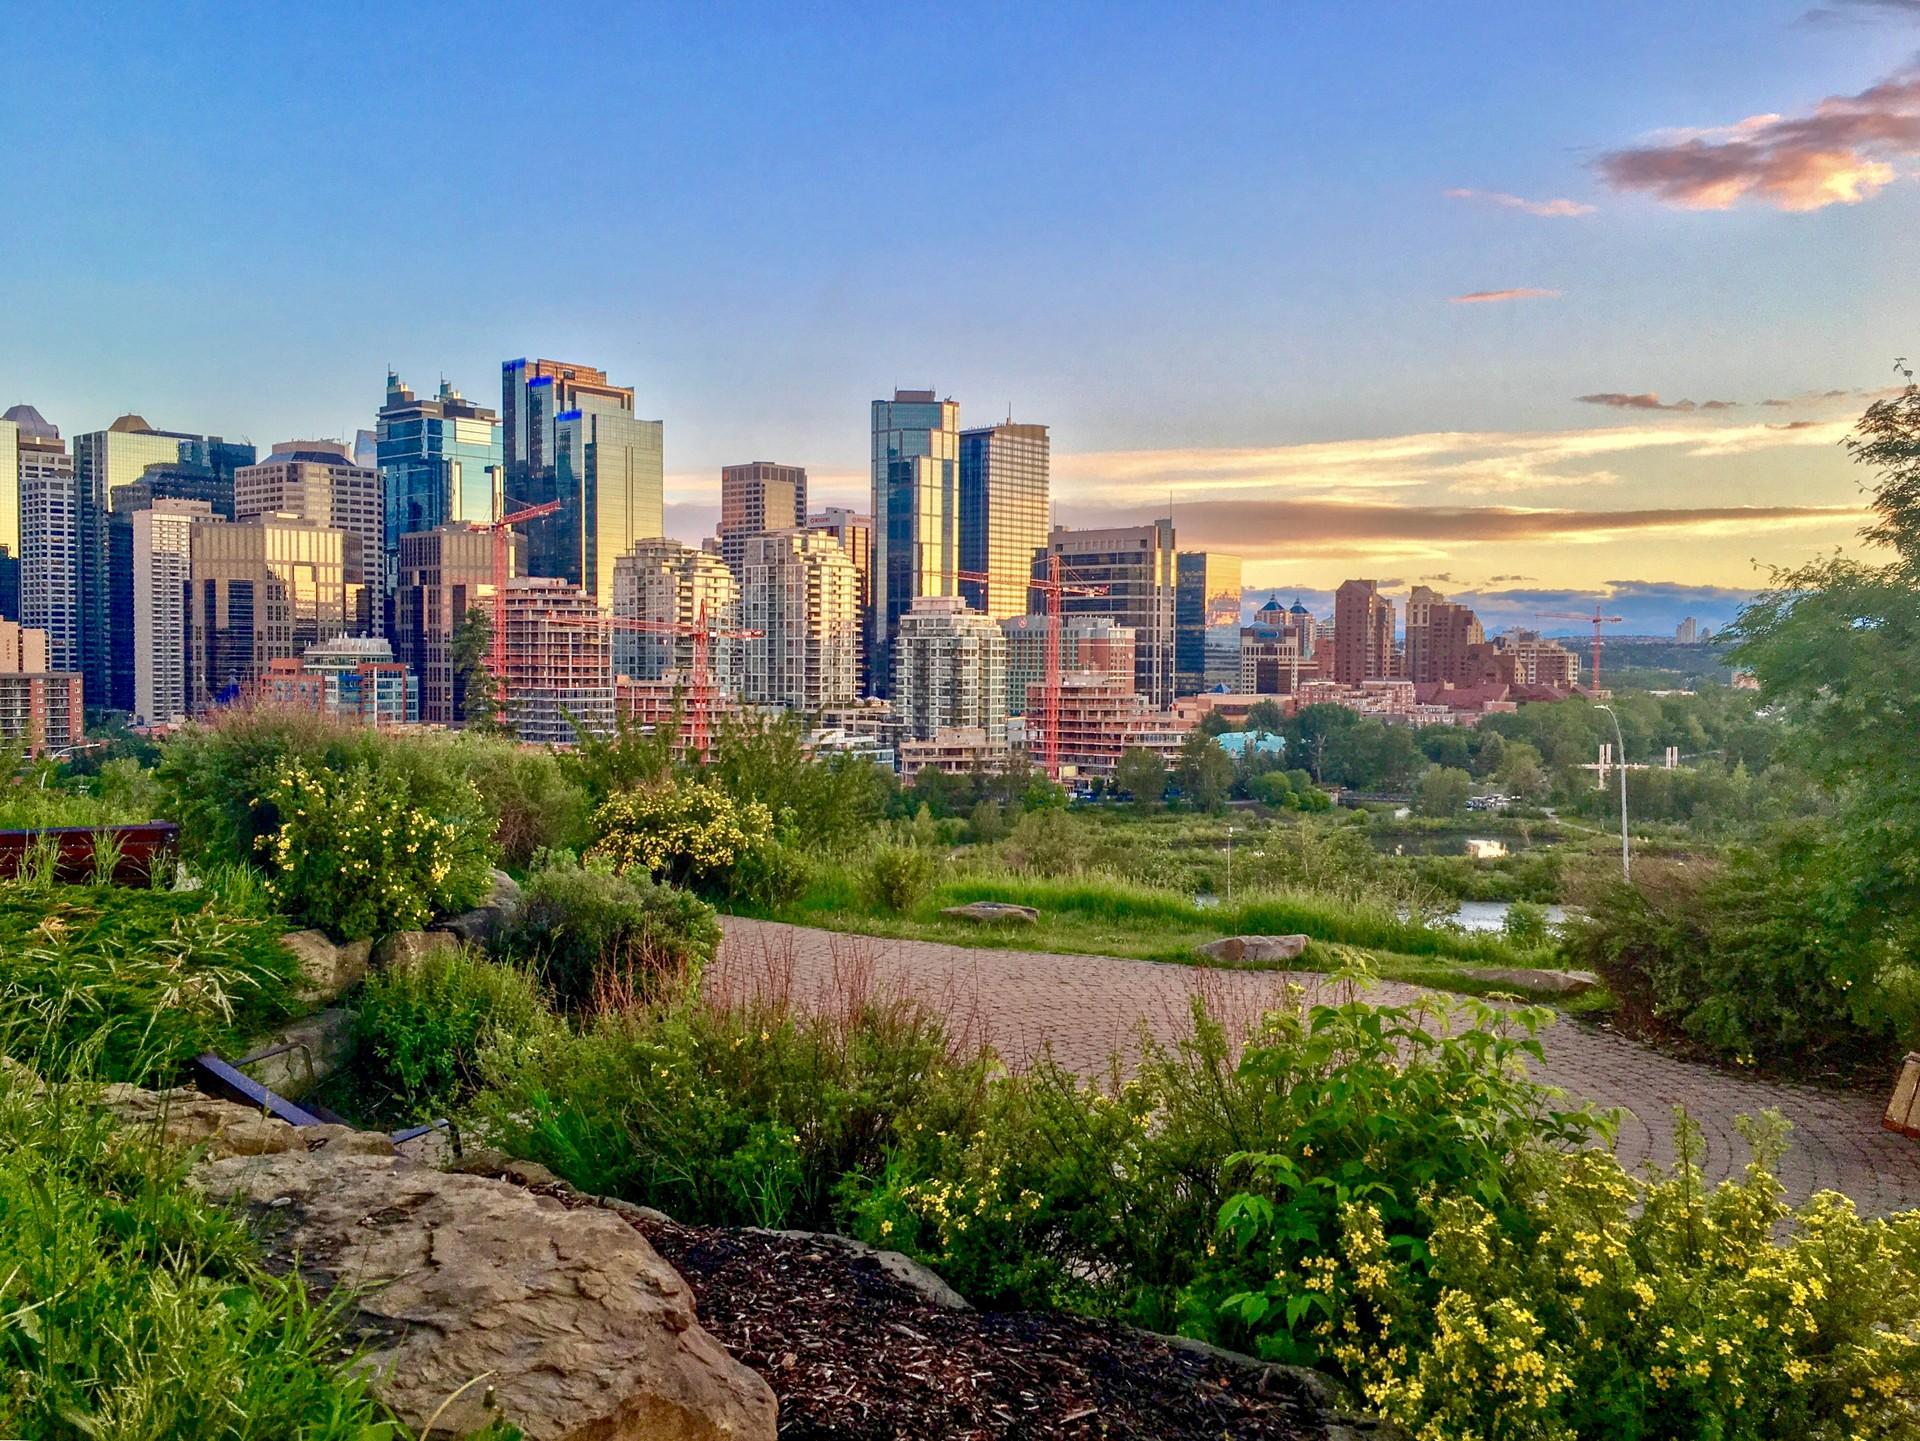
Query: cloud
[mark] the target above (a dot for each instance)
(1842, 12)
(1839, 153)
(1487, 297)
(1646, 400)
(1557, 209)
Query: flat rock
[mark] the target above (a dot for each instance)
(403, 950)
(185, 1117)
(991, 912)
(1235, 950)
(327, 971)
(572, 1321)
(1540, 982)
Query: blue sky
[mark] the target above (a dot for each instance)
(1212, 246)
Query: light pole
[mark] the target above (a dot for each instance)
(1626, 861)
(1229, 867)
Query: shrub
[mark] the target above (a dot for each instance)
(535, 803)
(584, 932)
(679, 831)
(1047, 842)
(130, 983)
(420, 1030)
(1525, 924)
(1272, 788)
(897, 878)
(769, 876)
(356, 855)
(1443, 791)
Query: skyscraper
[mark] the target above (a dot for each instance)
(161, 540)
(263, 590)
(570, 435)
(854, 531)
(760, 496)
(1362, 633)
(49, 535)
(440, 460)
(950, 670)
(440, 575)
(1004, 513)
(916, 513)
(799, 591)
(1206, 621)
(318, 479)
(9, 517)
(1135, 564)
(172, 480)
(559, 667)
(666, 583)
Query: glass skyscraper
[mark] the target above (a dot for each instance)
(1206, 621)
(1004, 513)
(440, 460)
(916, 513)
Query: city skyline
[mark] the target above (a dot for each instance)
(1588, 339)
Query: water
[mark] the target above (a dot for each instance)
(1414, 843)
(1482, 916)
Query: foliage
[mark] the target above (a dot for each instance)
(535, 801)
(587, 934)
(832, 801)
(897, 878)
(356, 854)
(132, 983)
(1443, 791)
(1204, 772)
(630, 758)
(682, 831)
(476, 691)
(1142, 775)
(1525, 924)
(135, 1307)
(420, 1030)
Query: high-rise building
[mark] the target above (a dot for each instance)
(103, 462)
(1539, 661)
(1278, 651)
(160, 539)
(950, 670)
(1004, 513)
(760, 496)
(1440, 634)
(568, 434)
(40, 709)
(1087, 643)
(9, 517)
(173, 480)
(1206, 621)
(440, 575)
(49, 534)
(317, 479)
(1136, 566)
(1687, 632)
(559, 666)
(798, 590)
(666, 583)
(1362, 633)
(916, 513)
(263, 590)
(854, 531)
(440, 461)
(361, 681)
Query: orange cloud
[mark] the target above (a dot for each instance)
(1838, 154)
(1485, 297)
(1557, 209)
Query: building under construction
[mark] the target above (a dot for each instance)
(559, 664)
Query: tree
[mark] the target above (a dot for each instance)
(1214, 724)
(477, 703)
(1204, 772)
(1143, 775)
(1264, 718)
(1272, 789)
(1312, 729)
(1521, 773)
(1443, 791)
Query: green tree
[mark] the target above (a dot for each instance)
(1443, 791)
(1204, 772)
(1521, 772)
(1143, 775)
(476, 697)
(1264, 717)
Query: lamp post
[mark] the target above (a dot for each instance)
(1229, 867)
(1626, 861)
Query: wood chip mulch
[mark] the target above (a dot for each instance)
(855, 1355)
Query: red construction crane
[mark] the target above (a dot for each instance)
(497, 654)
(700, 687)
(1598, 620)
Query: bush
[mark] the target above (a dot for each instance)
(897, 878)
(1525, 924)
(1443, 791)
(356, 855)
(420, 1030)
(679, 831)
(769, 876)
(589, 935)
(536, 804)
(130, 984)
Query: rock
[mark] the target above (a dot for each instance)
(568, 1317)
(1236, 950)
(185, 1117)
(505, 895)
(322, 1043)
(904, 1269)
(403, 950)
(344, 1140)
(992, 912)
(475, 928)
(327, 971)
(1538, 982)
(1338, 1415)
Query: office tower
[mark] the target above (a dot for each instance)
(172, 480)
(1687, 632)
(160, 541)
(264, 589)
(950, 670)
(440, 575)
(570, 435)
(318, 480)
(440, 461)
(1087, 643)
(1277, 651)
(366, 443)
(103, 462)
(1136, 565)
(1004, 513)
(559, 666)
(9, 517)
(1206, 621)
(665, 583)
(756, 498)
(1362, 633)
(916, 513)
(798, 589)
(854, 531)
(49, 534)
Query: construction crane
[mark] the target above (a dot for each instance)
(497, 652)
(1597, 620)
(700, 687)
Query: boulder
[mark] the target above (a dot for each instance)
(993, 912)
(403, 950)
(327, 971)
(1532, 981)
(1238, 950)
(904, 1269)
(320, 1044)
(483, 924)
(567, 1322)
(185, 1117)
(504, 897)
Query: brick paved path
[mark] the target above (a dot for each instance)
(1087, 1007)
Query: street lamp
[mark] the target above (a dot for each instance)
(1229, 867)
(1626, 862)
